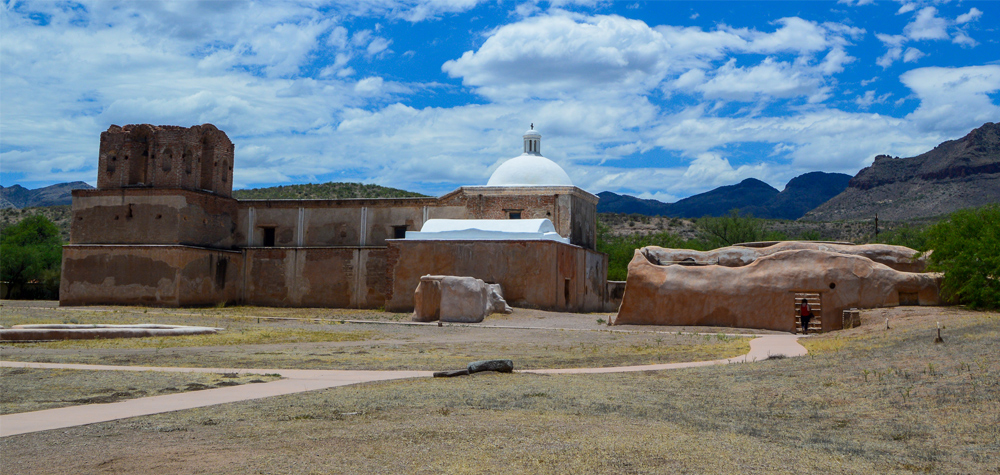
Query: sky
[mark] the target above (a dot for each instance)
(659, 99)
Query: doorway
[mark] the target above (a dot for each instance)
(815, 304)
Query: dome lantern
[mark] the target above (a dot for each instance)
(530, 168)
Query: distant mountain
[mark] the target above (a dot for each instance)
(718, 202)
(18, 196)
(615, 203)
(323, 191)
(801, 194)
(956, 174)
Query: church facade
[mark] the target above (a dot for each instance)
(163, 229)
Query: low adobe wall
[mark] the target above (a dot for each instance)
(761, 294)
(541, 274)
(154, 275)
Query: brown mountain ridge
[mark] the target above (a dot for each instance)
(957, 174)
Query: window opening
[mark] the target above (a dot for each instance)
(268, 237)
(399, 232)
(514, 214)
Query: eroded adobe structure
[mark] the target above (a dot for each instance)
(762, 287)
(163, 229)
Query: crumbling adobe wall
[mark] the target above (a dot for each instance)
(761, 294)
(166, 156)
(324, 223)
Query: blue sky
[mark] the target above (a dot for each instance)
(659, 99)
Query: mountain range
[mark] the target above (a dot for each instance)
(753, 196)
(18, 196)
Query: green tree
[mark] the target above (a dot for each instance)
(966, 248)
(30, 251)
(732, 229)
(621, 249)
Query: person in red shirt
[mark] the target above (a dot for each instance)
(805, 314)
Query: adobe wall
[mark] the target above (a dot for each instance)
(339, 277)
(161, 276)
(166, 156)
(152, 216)
(762, 293)
(568, 207)
(324, 223)
(540, 274)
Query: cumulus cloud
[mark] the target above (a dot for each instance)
(926, 25)
(953, 99)
(559, 55)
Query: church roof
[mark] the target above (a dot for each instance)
(530, 168)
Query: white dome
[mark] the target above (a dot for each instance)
(529, 170)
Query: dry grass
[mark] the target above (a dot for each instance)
(29, 389)
(254, 336)
(864, 401)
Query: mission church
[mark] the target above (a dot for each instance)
(163, 229)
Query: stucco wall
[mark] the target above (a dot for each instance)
(340, 277)
(149, 275)
(572, 211)
(531, 273)
(152, 216)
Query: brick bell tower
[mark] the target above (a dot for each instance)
(198, 158)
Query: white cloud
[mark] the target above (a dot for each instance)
(912, 55)
(868, 99)
(973, 15)
(770, 77)
(926, 25)
(953, 100)
(561, 55)
(557, 56)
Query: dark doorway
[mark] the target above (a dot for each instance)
(399, 232)
(268, 237)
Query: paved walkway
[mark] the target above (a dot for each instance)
(294, 381)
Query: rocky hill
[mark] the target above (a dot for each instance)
(956, 174)
(800, 195)
(319, 191)
(18, 196)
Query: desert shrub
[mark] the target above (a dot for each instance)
(31, 251)
(966, 248)
(732, 229)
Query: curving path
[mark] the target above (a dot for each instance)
(295, 381)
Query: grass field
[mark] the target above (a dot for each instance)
(865, 400)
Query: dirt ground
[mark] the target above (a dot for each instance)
(360, 339)
(865, 400)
